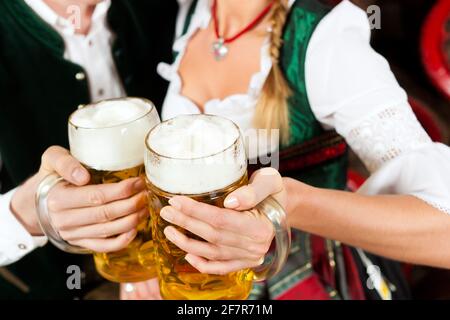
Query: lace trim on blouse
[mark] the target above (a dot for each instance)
(386, 135)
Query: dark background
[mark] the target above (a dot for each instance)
(399, 41)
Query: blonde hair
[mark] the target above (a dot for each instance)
(272, 110)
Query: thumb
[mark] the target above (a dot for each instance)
(263, 183)
(59, 160)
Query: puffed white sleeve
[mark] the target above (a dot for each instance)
(352, 89)
(15, 241)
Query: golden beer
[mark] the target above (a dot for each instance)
(202, 157)
(136, 262)
(179, 280)
(107, 138)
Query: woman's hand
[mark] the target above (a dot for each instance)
(147, 290)
(102, 218)
(238, 237)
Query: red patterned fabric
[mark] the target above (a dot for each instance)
(314, 158)
(309, 289)
(320, 261)
(315, 286)
(326, 147)
(354, 284)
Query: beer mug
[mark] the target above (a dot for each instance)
(108, 138)
(202, 157)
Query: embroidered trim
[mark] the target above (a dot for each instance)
(386, 135)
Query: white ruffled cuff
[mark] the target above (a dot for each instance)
(423, 173)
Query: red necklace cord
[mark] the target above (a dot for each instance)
(253, 24)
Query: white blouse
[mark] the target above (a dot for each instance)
(351, 89)
(92, 51)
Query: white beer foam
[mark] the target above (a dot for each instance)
(110, 113)
(195, 154)
(110, 135)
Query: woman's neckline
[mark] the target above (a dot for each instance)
(256, 80)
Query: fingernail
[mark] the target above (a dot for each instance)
(79, 175)
(139, 185)
(261, 261)
(231, 202)
(169, 232)
(175, 203)
(187, 258)
(167, 214)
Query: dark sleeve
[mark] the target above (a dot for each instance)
(5, 181)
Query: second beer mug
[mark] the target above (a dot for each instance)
(202, 157)
(108, 139)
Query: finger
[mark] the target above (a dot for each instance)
(105, 230)
(128, 292)
(219, 267)
(209, 233)
(264, 183)
(224, 219)
(57, 159)
(146, 290)
(153, 289)
(106, 245)
(68, 197)
(142, 290)
(73, 218)
(211, 251)
(133, 295)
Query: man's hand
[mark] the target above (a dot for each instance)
(147, 290)
(102, 218)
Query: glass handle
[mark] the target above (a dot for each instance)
(44, 218)
(276, 214)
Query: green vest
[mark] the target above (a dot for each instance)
(301, 23)
(39, 89)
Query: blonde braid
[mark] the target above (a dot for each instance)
(272, 110)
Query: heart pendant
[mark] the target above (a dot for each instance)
(220, 50)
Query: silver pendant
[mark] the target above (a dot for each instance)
(220, 50)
